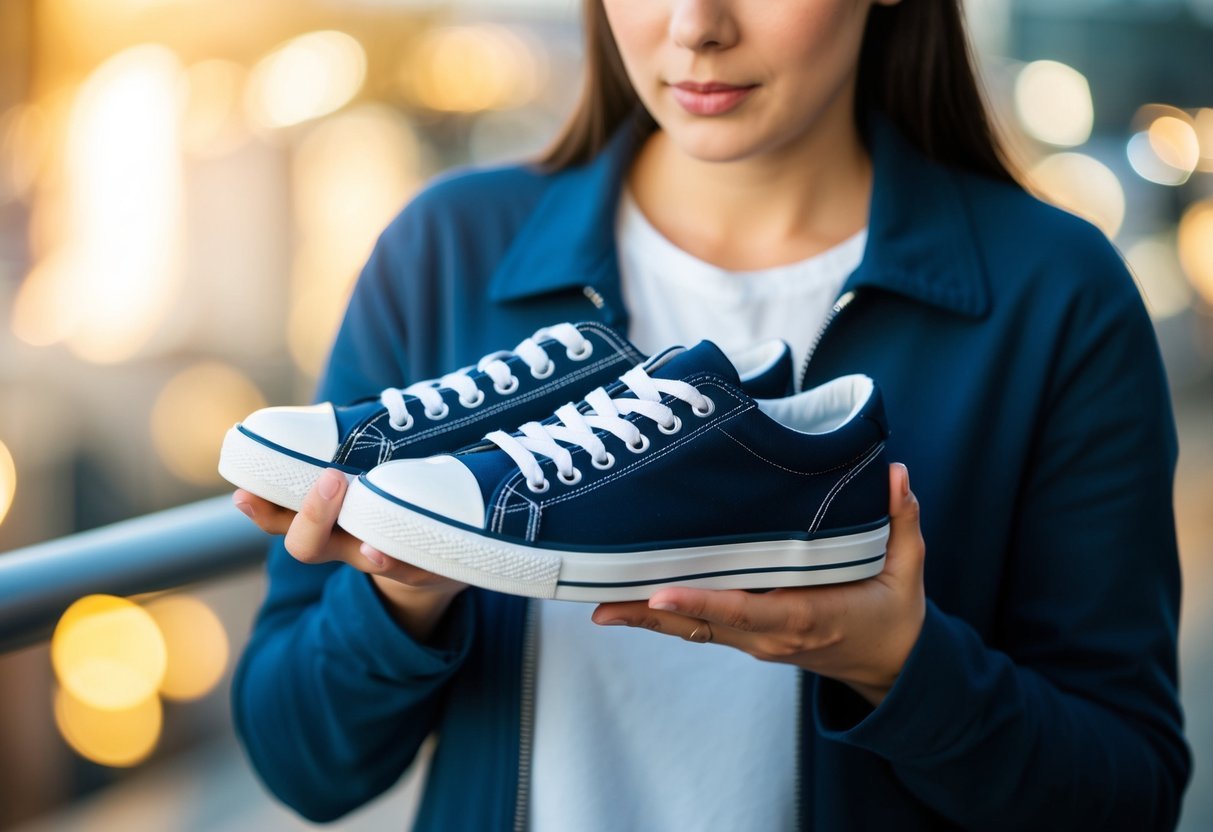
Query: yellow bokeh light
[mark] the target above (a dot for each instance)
(1082, 186)
(192, 413)
(22, 145)
(8, 481)
(117, 738)
(1196, 247)
(306, 78)
(108, 652)
(197, 646)
(315, 314)
(1155, 265)
(472, 68)
(1174, 141)
(113, 265)
(1054, 103)
(214, 122)
(1203, 124)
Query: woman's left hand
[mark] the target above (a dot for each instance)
(859, 633)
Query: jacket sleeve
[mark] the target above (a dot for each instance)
(1066, 717)
(331, 698)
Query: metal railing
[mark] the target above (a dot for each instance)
(155, 552)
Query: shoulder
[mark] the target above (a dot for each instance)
(471, 200)
(1028, 245)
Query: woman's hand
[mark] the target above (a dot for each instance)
(859, 633)
(416, 598)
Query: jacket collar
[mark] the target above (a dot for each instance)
(921, 243)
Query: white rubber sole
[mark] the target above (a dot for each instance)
(281, 479)
(517, 569)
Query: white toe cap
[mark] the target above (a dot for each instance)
(311, 430)
(441, 484)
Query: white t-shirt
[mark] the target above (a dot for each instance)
(639, 731)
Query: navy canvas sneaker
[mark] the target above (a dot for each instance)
(278, 453)
(674, 475)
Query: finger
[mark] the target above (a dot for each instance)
(906, 549)
(376, 562)
(309, 534)
(731, 608)
(638, 614)
(272, 518)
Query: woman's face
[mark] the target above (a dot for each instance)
(735, 79)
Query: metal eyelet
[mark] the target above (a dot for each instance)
(570, 480)
(606, 464)
(547, 370)
(640, 448)
(441, 414)
(475, 401)
(672, 429)
(403, 427)
(543, 486)
(583, 353)
(711, 408)
(509, 388)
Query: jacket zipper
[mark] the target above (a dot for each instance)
(526, 716)
(842, 303)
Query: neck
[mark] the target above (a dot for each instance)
(765, 210)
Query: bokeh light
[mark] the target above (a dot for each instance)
(1082, 186)
(1196, 247)
(1053, 102)
(353, 172)
(116, 738)
(308, 77)
(115, 267)
(192, 413)
(22, 142)
(1165, 147)
(108, 653)
(8, 481)
(1203, 124)
(214, 120)
(469, 69)
(1155, 265)
(196, 645)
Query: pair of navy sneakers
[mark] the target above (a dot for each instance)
(685, 468)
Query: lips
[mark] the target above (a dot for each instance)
(710, 99)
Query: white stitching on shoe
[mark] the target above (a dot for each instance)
(838, 486)
(790, 470)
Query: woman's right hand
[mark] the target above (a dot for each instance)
(416, 598)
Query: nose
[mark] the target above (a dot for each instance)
(702, 25)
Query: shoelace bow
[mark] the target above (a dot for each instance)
(492, 365)
(605, 413)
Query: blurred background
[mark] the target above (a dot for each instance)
(188, 189)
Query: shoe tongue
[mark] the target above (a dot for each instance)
(704, 357)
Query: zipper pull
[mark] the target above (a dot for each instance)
(592, 294)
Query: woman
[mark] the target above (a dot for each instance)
(734, 167)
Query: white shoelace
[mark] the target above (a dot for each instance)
(605, 413)
(492, 365)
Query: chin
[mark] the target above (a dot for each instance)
(710, 139)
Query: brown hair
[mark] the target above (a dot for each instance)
(914, 65)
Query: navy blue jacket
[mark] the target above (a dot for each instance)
(1026, 395)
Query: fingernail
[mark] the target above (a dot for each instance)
(611, 622)
(905, 481)
(246, 509)
(372, 554)
(663, 605)
(328, 484)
